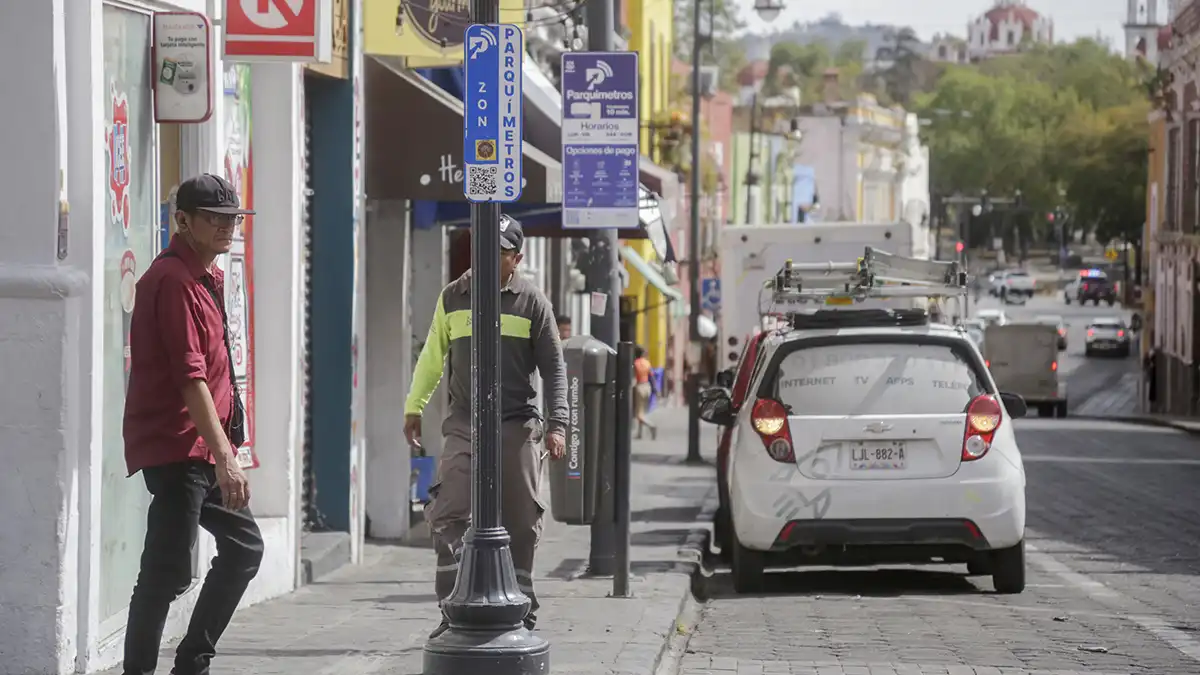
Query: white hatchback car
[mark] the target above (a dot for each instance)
(867, 441)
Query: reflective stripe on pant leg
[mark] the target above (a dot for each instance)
(449, 509)
(522, 509)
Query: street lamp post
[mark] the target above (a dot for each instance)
(767, 10)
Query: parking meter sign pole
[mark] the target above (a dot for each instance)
(492, 123)
(601, 136)
(487, 609)
(622, 476)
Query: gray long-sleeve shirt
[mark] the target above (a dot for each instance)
(528, 343)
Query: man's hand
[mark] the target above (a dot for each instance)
(235, 489)
(412, 430)
(556, 443)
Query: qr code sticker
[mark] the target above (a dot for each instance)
(481, 180)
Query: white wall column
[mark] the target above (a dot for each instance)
(389, 363)
(430, 273)
(42, 303)
(277, 102)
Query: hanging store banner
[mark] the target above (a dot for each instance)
(183, 90)
(426, 33)
(298, 31)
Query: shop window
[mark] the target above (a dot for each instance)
(131, 240)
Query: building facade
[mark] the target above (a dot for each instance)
(1146, 32)
(1009, 26)
(91, 175)
(1174, 244)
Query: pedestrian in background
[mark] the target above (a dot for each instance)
(564, 327)
(183, 424)
(643, 389)
(529, 345)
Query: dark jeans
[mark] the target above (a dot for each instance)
(186, 498)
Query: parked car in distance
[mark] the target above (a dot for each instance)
(1056, 321)
(1017, 286)
(1107, 335)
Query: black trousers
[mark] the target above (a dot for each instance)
(185, 498)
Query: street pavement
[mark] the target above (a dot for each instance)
(1112, 380)
(374, 618)
(1113, 526)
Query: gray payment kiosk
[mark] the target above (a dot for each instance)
(590, 389)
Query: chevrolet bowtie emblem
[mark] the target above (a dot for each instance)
(877, 427)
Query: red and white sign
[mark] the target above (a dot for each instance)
(279, 30)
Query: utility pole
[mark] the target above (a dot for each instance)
(603, 276)
(697, 348)
(487, 609)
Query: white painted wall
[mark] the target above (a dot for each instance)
(50, 343)
(390, 365)
(832, 151)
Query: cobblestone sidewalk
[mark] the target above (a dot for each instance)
(374, 618)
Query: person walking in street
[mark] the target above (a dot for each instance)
(183, 424)
(643, 389)
(564, 327)
(529, 343)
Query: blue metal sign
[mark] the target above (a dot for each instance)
(492, 113)
(601, 138)
(710, 294)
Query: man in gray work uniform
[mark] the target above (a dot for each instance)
(529, 341)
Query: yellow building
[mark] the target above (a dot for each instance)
(644, 309)
(880, 158)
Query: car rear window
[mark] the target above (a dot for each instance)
(1018, 274)
(876, 378)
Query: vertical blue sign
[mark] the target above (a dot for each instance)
(492, 113)
(601, 135)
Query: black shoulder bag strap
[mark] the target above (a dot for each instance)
(237, 416)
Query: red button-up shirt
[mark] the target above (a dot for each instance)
(176, 336)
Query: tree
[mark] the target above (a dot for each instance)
(903, 55)
(1108, 163)
(719, 19)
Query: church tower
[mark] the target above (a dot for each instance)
(1143, 24)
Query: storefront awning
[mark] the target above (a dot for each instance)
(414, 132)
(651, 274)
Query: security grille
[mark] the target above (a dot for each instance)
(311, 519)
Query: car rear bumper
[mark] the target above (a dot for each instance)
(774, 512)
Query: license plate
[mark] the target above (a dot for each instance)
(881, 455)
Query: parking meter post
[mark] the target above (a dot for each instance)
(623, 465)
(602, 559)
(487, 609)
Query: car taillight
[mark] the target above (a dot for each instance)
(1120, 333)
(1054, 366)
(1062, 331)
(1091, 332)
(983, 419)
(770, 420)
(987, 364)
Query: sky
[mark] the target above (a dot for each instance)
(1072, 18)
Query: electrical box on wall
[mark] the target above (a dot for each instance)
(183, 86)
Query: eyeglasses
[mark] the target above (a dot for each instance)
(223, 219)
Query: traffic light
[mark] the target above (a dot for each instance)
(958, 247)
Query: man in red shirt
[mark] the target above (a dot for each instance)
(183, 418)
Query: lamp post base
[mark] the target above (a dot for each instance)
(470, 652)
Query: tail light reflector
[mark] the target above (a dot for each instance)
(984, 415)
(770, 420)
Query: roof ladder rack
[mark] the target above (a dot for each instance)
(877, 274)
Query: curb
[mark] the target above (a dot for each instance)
(1141, 420)
(691, 562)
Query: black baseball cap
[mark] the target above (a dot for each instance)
(512, 236)
(209, 192)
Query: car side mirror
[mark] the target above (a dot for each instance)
(1014, 404)
(716, 407)
(725, 378)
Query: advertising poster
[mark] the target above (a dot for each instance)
(239, 274)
